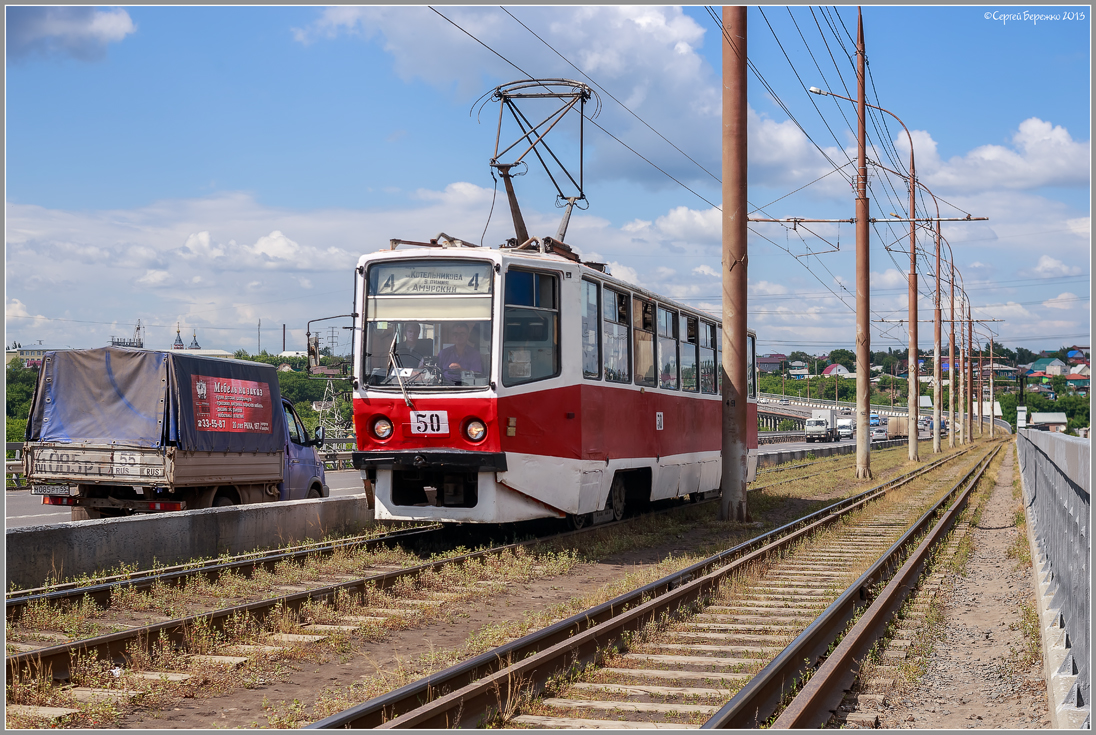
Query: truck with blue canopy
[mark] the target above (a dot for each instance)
(116, 431)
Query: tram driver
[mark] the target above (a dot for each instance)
(460, 356)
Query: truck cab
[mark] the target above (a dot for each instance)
(304, 471)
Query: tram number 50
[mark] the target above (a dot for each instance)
(429, 422)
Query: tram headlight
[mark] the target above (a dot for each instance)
(382, 428)
(475, 430)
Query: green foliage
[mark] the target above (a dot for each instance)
(1025, 356)
(786, 425)
(20, 389)
(16, 432)
(844, 357)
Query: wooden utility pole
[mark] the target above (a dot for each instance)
(936, 372)
(734, 393)
(992, 414)
(951, 360)
(863, 269)
(970, 370)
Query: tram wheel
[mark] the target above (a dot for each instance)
(578, 521)
(616, 496)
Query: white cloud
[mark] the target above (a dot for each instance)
(199, 245)
(1042, 154)
(153, 278)
(276, 246)
(1081, 226)
(764, 288)
(80, 32)
(648, 57)
(625, 273)
(683, 223)
(1066, 301)
(706, 270)
(889, 278)
(1049, 267)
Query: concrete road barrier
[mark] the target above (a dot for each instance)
(64, 550)
(771, 459)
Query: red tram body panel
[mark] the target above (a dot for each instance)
(503, 385)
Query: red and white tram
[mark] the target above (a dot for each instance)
(498, 385)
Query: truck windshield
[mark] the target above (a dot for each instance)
(430, 320)
(816, 422)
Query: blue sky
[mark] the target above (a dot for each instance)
(217, 166)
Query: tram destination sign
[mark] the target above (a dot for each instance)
(430, 278)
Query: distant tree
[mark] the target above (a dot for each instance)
(1062, 354)
(843, 357)
(1025, 356)
(20, 388)
(1003, 354)
(241, 354)
(786, 425)
(1059, 384)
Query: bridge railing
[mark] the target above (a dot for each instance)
(1055, 471)
(823, 402)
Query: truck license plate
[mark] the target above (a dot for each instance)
(429, 422)
(50, 490)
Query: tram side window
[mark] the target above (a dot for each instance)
(687, 354)
(644, 331)
(614, 334)
(530, 335)
(667, 349)
(591, 335)
(719, 360)
(708, 366)
(751, 356)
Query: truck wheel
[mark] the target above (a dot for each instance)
(314, 493)
(80, 513)
(222, 501)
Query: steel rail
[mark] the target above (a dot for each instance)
(755, 703)
(477, 684)
(58, 658)
(101, 591)
(822, 695)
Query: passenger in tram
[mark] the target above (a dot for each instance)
(411, 351)
(459, 356)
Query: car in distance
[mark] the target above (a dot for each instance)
(878, 434)
(783, 401)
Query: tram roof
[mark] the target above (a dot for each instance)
(499, 254)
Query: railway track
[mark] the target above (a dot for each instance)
(730, 631)
(101, 589)
(373, 596)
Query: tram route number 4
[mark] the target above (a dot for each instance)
(429, 422)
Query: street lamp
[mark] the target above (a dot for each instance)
(913, 380)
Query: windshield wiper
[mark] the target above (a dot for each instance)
(394, 363)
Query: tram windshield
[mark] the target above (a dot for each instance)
(428, 323)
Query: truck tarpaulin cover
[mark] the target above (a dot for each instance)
(149, 399)
(226, 405)
(100, 396)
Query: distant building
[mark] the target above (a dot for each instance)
(771, 363)
(32, 356)
(293, 353)
(1054, 421)
(836, 369)
(1049, 365)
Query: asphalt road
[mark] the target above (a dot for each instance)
(24, 509)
